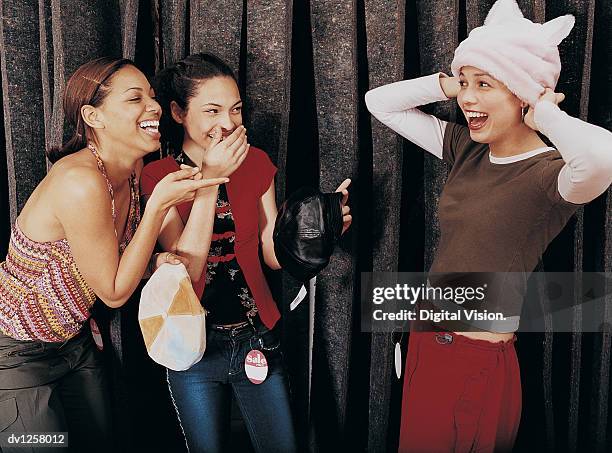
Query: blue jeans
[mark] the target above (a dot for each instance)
(202, 394)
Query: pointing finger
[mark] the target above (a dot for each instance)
(185, 173)
(210, 182)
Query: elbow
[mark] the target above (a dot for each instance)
(608, 165)
(272, 264)
(195, 267)
(195, 273)
(607, 176)
(587, 185)
(269, 257)
(193, 260)
(370, 101)
(601, 172)
(376, 110)
(601, 157)
(113, 302)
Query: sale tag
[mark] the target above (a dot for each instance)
(95, 333)
(256, 366)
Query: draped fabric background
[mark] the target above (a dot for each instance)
(304, 66)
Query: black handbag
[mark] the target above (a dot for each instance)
(308, 225)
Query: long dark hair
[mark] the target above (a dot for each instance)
(89, 85)
(179, 83)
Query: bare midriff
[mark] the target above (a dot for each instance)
(493, 337)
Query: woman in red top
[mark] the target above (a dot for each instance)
(220, 233)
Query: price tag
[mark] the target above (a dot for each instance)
(256, 366)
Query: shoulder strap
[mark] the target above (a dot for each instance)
(108, 184)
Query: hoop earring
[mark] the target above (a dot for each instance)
(523, 114)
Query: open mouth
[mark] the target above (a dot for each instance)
(151, 128)
(476, 120)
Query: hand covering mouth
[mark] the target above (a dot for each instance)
(224, 134)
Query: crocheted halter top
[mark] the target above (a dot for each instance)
(43, 296)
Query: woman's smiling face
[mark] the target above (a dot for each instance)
(130, 112)
(217, 103)
(491, 110)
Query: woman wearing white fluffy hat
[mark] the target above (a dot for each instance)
(507, 196)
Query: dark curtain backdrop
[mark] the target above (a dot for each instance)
(304, 66)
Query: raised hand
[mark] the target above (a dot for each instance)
(179, 187)
(224, 156)
(450, 85)
(549, 96)
(346, 216)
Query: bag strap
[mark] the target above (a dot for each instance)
(312, 285)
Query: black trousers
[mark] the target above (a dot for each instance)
(55, 387)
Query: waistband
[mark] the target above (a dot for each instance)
(508, 325)
(447, 338)
(248, 326)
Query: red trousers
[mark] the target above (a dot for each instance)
(460, 395)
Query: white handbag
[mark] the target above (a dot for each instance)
(172, 319)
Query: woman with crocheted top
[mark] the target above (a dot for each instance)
(80, 236)
(507, 195)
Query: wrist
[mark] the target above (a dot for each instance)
(544, 112)
(449, 85)
(209, 172)
(206, 193)
(154, 211)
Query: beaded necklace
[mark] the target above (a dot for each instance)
(134, 212)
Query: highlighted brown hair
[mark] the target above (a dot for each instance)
(89, 85)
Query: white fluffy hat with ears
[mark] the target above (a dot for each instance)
(519, 53)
